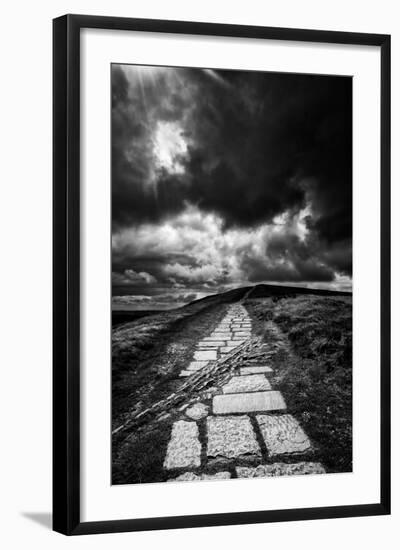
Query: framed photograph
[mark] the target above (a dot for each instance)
(221, 274)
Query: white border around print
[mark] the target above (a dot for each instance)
(100, 500)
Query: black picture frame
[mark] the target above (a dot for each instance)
(66, 273)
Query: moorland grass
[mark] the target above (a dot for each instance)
(148, 355)
(314, 372)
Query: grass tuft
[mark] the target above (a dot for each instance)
(314, 370)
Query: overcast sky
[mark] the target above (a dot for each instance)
(222, 179)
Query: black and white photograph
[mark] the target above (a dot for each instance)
(200, 237)
(231, 274)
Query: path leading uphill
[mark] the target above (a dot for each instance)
(232, 331)
(246, 431)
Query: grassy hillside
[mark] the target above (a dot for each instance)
(263, 291)
(121, 317)
(313, 370)
(315, 367)
(147, 356)
(149, 352)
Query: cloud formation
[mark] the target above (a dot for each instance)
(131, 277)
(194, 250)
(161, 301)
(229, 177)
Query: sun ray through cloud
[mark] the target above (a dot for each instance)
(235, 175)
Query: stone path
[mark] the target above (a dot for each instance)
(234, 328)
(245, 431)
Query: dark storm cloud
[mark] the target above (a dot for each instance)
(290, 260)
(258, 145)
(278, 139)
(339, 256)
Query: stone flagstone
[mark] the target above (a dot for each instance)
(231, 332)
(196, 365)
(197, 411)
(255, 370)
(280, 469)
(206, 355)
(190, 476)
(283, 434)
(184, 446)
(231, 437)
(241, 384)
(227, 349)
(212, 339)
(248, 402)
(210, 345)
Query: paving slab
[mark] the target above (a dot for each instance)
(196, 365)
(258, 361)
(184, 373)
(207, 355)
(227, 349)
(248, 402)
(191, 476)
(242, 384)
(210, 345)
(222, 335)
(280, 469)
(255, 370)
(184, 446)
(213, 339)
(241, 333)
(231, 437)
(197, 411)
(282, 434)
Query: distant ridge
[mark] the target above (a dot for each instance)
(264, 291)
(260, 291)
